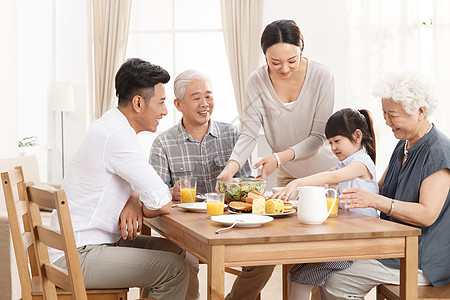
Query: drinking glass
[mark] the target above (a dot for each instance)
(188, 189)
(330, 200)
(214, 204)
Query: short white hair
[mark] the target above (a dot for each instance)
(409, 88)
(184, 79)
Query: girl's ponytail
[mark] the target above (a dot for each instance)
(368, 140)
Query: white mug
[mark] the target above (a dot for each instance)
(312, 204)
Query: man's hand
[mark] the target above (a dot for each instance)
(175, 191)
(130, 222)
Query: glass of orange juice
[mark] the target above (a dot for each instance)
(188, 189)
(214, 204)
(330, 200)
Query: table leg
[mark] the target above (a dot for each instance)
(285, 281)
(408, 270)
(216, 273)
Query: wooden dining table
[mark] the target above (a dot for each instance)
(349, 236)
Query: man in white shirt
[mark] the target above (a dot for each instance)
(109, 169)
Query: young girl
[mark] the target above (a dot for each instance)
(352, 140)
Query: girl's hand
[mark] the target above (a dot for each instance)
(268, 163)
(356, 198)
(286, 192)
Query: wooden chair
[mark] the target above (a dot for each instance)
(28, 249)
(392, 292)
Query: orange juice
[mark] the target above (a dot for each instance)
(334, 211)
(187, 195)
(214, 208)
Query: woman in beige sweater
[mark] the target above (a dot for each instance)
(292, 98)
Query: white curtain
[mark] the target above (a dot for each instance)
(241, 23)
(111, 19)
(385, 35)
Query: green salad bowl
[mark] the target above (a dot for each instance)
(236, 189)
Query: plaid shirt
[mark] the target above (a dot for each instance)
(176, 153)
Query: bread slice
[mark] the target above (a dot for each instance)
(240, 207)
(252, 195)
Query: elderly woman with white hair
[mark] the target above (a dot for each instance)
(414, 190)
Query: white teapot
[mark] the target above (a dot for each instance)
(312, 204)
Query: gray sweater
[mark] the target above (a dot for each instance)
(299, 126)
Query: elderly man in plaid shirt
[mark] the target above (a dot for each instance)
(201, 147)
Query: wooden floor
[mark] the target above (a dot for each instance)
(272, 291)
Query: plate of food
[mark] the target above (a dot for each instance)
(195, 206)
(256, 203)
(243, 220)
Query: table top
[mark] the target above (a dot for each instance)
(346, 225)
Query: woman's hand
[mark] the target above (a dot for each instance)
(130, 221)
(228, 172)
(357, 198)
(268, 163)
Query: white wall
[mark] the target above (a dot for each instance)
(47, 41)
(71, 64)
(323, 25)
(8, 74)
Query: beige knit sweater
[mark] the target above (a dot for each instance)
(299, 126)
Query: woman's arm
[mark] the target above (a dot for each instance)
(433, 193)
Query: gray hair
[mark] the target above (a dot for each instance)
(409, 88)
(184, 79)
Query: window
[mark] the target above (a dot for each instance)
(180, 35)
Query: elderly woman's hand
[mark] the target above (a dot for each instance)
(357, 198)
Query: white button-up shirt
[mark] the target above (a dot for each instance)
(106, 168)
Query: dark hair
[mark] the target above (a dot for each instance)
(138, 77)
(345, 121)
(281, 31)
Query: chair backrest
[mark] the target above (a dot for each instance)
(14, 193)
(50, 274)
